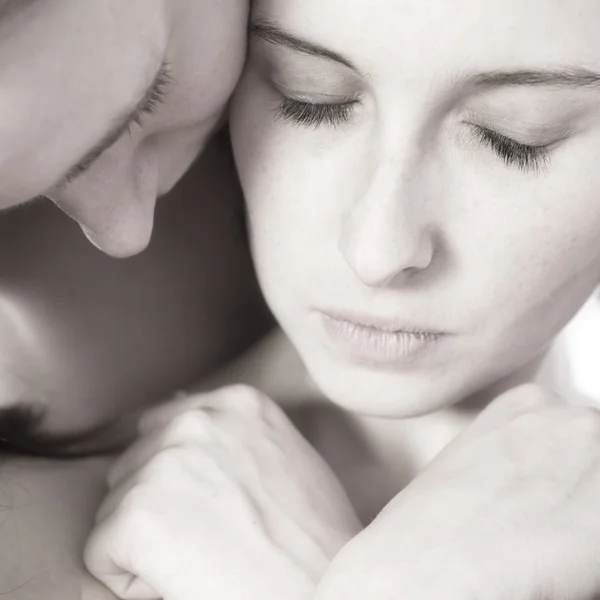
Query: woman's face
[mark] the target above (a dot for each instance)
(105, 103)
(423, 187)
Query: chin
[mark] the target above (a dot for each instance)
(382, 394)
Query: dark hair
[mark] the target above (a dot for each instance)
(22, 433)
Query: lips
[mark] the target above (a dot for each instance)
(378, 341)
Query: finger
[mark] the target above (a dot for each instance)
(150, 468)
(195, 466)
(241, 400)
(130, 587)
(134, 458)
(186, 429)
(143, 478)
(511, 405)
(114, 499)
(163, 414)
(117, 578)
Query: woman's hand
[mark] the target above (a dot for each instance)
(510, 509)
(221, 498)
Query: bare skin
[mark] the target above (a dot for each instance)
(188, 306)
(106, 336)
(373, 458)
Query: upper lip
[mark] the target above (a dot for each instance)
(383, 324)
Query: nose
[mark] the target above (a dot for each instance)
(385, 235)
(114, 201)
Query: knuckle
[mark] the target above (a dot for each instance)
(187, 426)
(530, 419)
(586, 423)
(244, 399)
(527, 397)
(136, 498)
(555, 422)
(167, 463)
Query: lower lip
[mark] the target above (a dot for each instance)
(375, 346)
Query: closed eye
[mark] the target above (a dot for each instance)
(154, 98)
(525, 157)
(310, 114)
(514, 154)
(150, 103)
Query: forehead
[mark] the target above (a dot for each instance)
(65, 67)
(413, 36)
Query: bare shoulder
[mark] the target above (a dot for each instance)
(46, 510)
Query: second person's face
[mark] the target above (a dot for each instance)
(106, 103)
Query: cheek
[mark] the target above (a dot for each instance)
(289, 204)
(525, 249)
(174, 152)
(35, 152)
(296, 180)
(25, 181)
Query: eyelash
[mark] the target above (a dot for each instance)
(511, 152)
(149, 106)
(155, 98)
(308, 114)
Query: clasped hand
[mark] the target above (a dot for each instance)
(220, 498)
(227, 500)
(508, 511)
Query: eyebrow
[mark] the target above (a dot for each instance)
(565, 78)
(569, 78)
(150, 98)
(271, 33)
